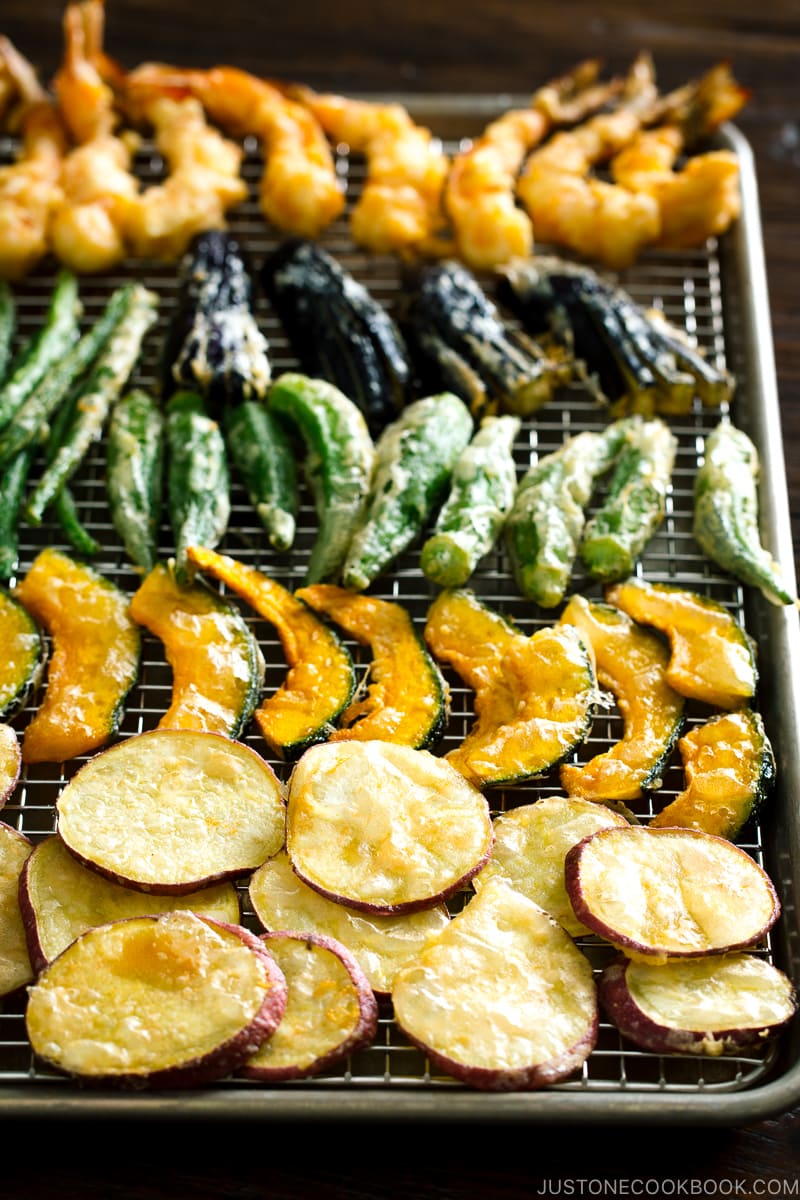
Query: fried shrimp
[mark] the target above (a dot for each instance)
(703, 198)
(87, 227)
(29, 187)
(203, 182)
(299, 192)
(646, 202)
(569, 206)
(489, 226)
(401, 204)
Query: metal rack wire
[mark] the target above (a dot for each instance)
(691, 290)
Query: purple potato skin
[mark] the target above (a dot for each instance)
(624, 1013)
(30, 924)
(387, 910)
(584, 913)
(361, 1035)
(11, 781)
(164, 889)
(168, 889)
(521, 1079)
(226, 1058)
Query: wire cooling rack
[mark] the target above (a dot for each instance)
(700, 292)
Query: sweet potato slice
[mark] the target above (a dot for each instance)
(10, 761)
(383, 827)
(380, 944)
(173, 810)
(15, 963)
(330, 1012)
(502, 999)
(531, 844)
(60, 899)
(168, 1000)
(659, 894)
(94, 661)
(698, 1006)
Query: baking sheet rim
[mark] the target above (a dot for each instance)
(335, 1102)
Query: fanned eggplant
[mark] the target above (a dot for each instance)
(214, 345)
(339, 331)
(631, 357)
(463, 342)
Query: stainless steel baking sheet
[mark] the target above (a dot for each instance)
(719, 296)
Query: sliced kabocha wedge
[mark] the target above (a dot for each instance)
(320, 680)
(534, 695)
(94, 661)
(10, 761)
(16, 969)
(531, 844)
(631, 663)
(217, 665)
(659, 894)
(22, 662)
(165, 1000)
(381, 943)
(407, 698)
(384, 828)
(715, 1005)
(729, 767)
(172, 811)
(331, 1011)
(502, 999)
(60, 899)
(713, 658)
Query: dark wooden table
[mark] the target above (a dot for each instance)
(479, 46)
